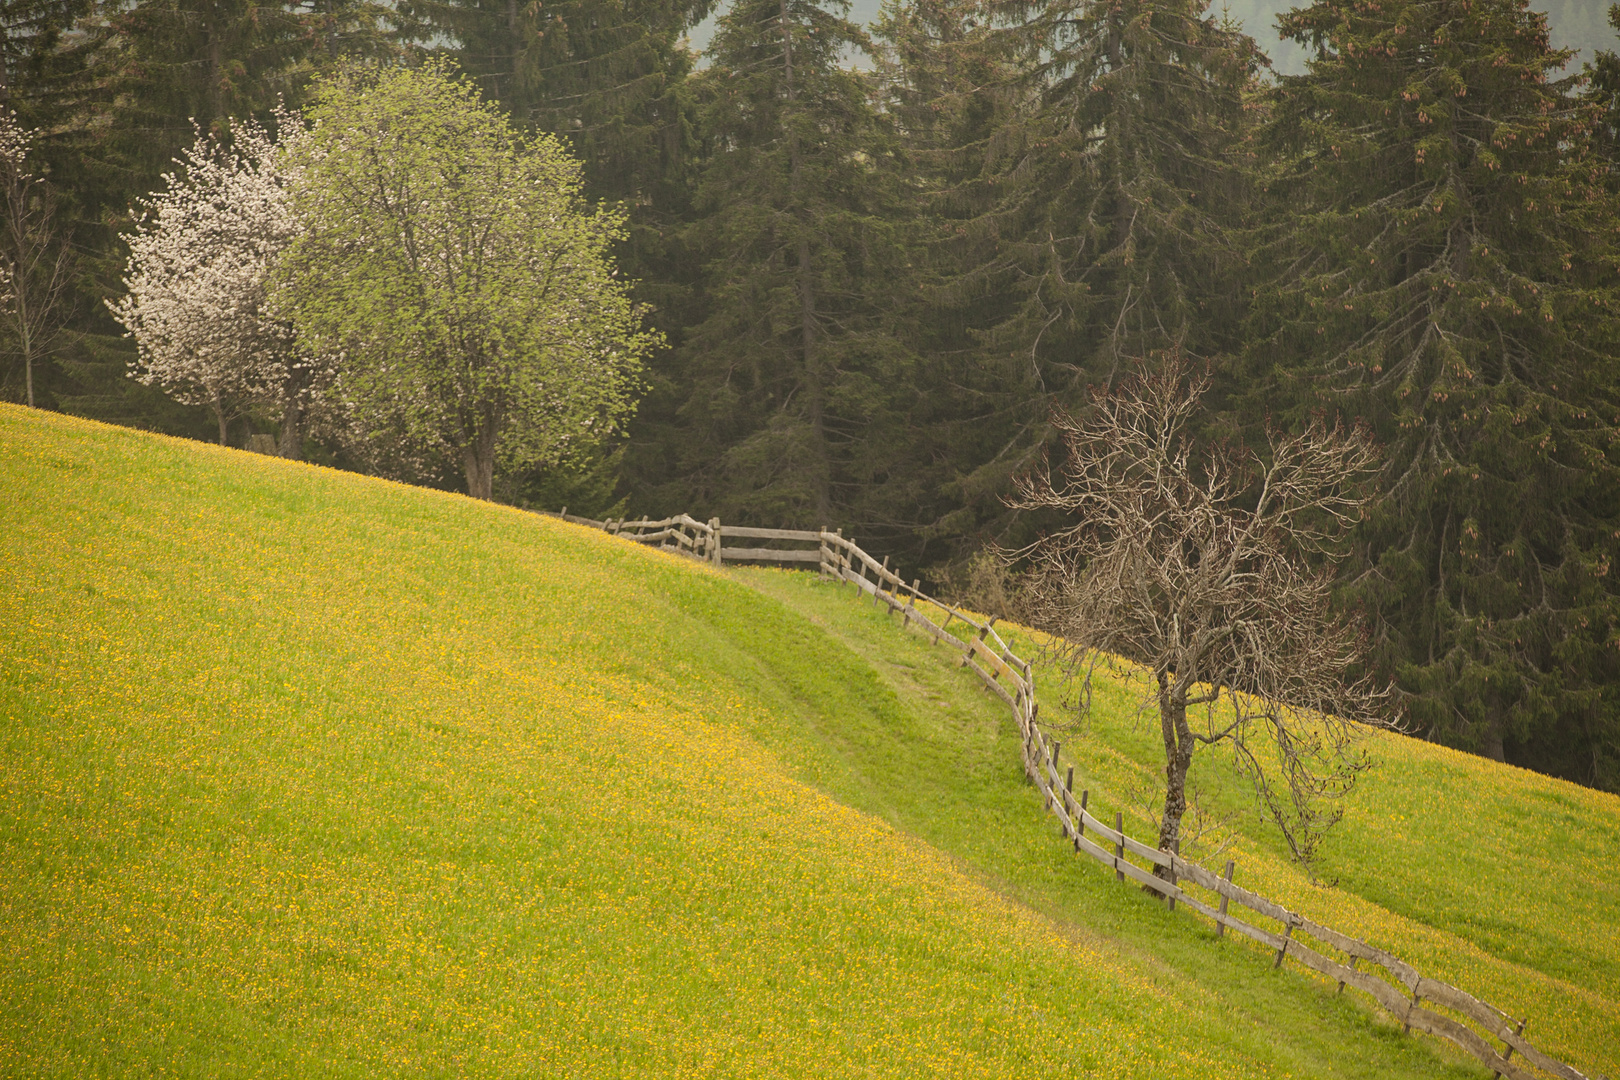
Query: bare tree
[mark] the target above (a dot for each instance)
(1213, 572)
(36, 261)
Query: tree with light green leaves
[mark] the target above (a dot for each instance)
(454, 266)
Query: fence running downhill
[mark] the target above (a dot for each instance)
(1395, 985)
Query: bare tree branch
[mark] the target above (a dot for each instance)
(1214, 572)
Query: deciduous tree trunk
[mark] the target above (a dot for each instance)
(478, 456)
(292, 414)
(1178, 752)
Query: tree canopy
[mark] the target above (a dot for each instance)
(453, 264)
(1198, 565)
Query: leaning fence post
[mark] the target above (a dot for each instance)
(1509, 1051)
(1340, 990)
(1119, 848)
(1288, 935)
(1080, 820)
(969, 654)
(1220, 922)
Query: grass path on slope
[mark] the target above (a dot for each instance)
(308, 774)
(1490, 877)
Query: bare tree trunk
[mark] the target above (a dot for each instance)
(28, 361)
(219, 414)
(1178, 752)
(1494, 735)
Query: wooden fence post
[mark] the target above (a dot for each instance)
(1509, 1051)
(1220, 923)
(1052, 753)
(1406, 1024)
(1288, 935)
(1044, 767)
(714, 533)
(968, 655)
(1119, 848)
(911, 605)
(1175, 849)
(821, 536)
(1353, 960)
(1080, 820)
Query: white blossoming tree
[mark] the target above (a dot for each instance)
(455, 266)
(199, 262)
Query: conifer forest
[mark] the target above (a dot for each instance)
(878, 267)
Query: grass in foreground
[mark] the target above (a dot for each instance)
(312, 774)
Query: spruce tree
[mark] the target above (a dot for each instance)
(31, 48)
(604, 75)
(163, 66)
(1100, 224)
(1450, 280)
(790, 379)
(951, 85)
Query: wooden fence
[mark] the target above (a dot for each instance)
(1395, 985)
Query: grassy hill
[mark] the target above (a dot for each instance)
(306, 773)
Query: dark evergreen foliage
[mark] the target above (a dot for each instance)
(605, 76)
(1097, 177)
(1449, 278)
(792, 377)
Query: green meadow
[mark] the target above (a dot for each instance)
(312, 774)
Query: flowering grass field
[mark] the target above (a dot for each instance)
(1489, 877)
(310, 774)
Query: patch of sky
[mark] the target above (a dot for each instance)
(1576, 24)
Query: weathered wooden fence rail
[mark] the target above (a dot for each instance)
(1395, 985)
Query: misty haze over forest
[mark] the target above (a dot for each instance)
(1576, 24)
